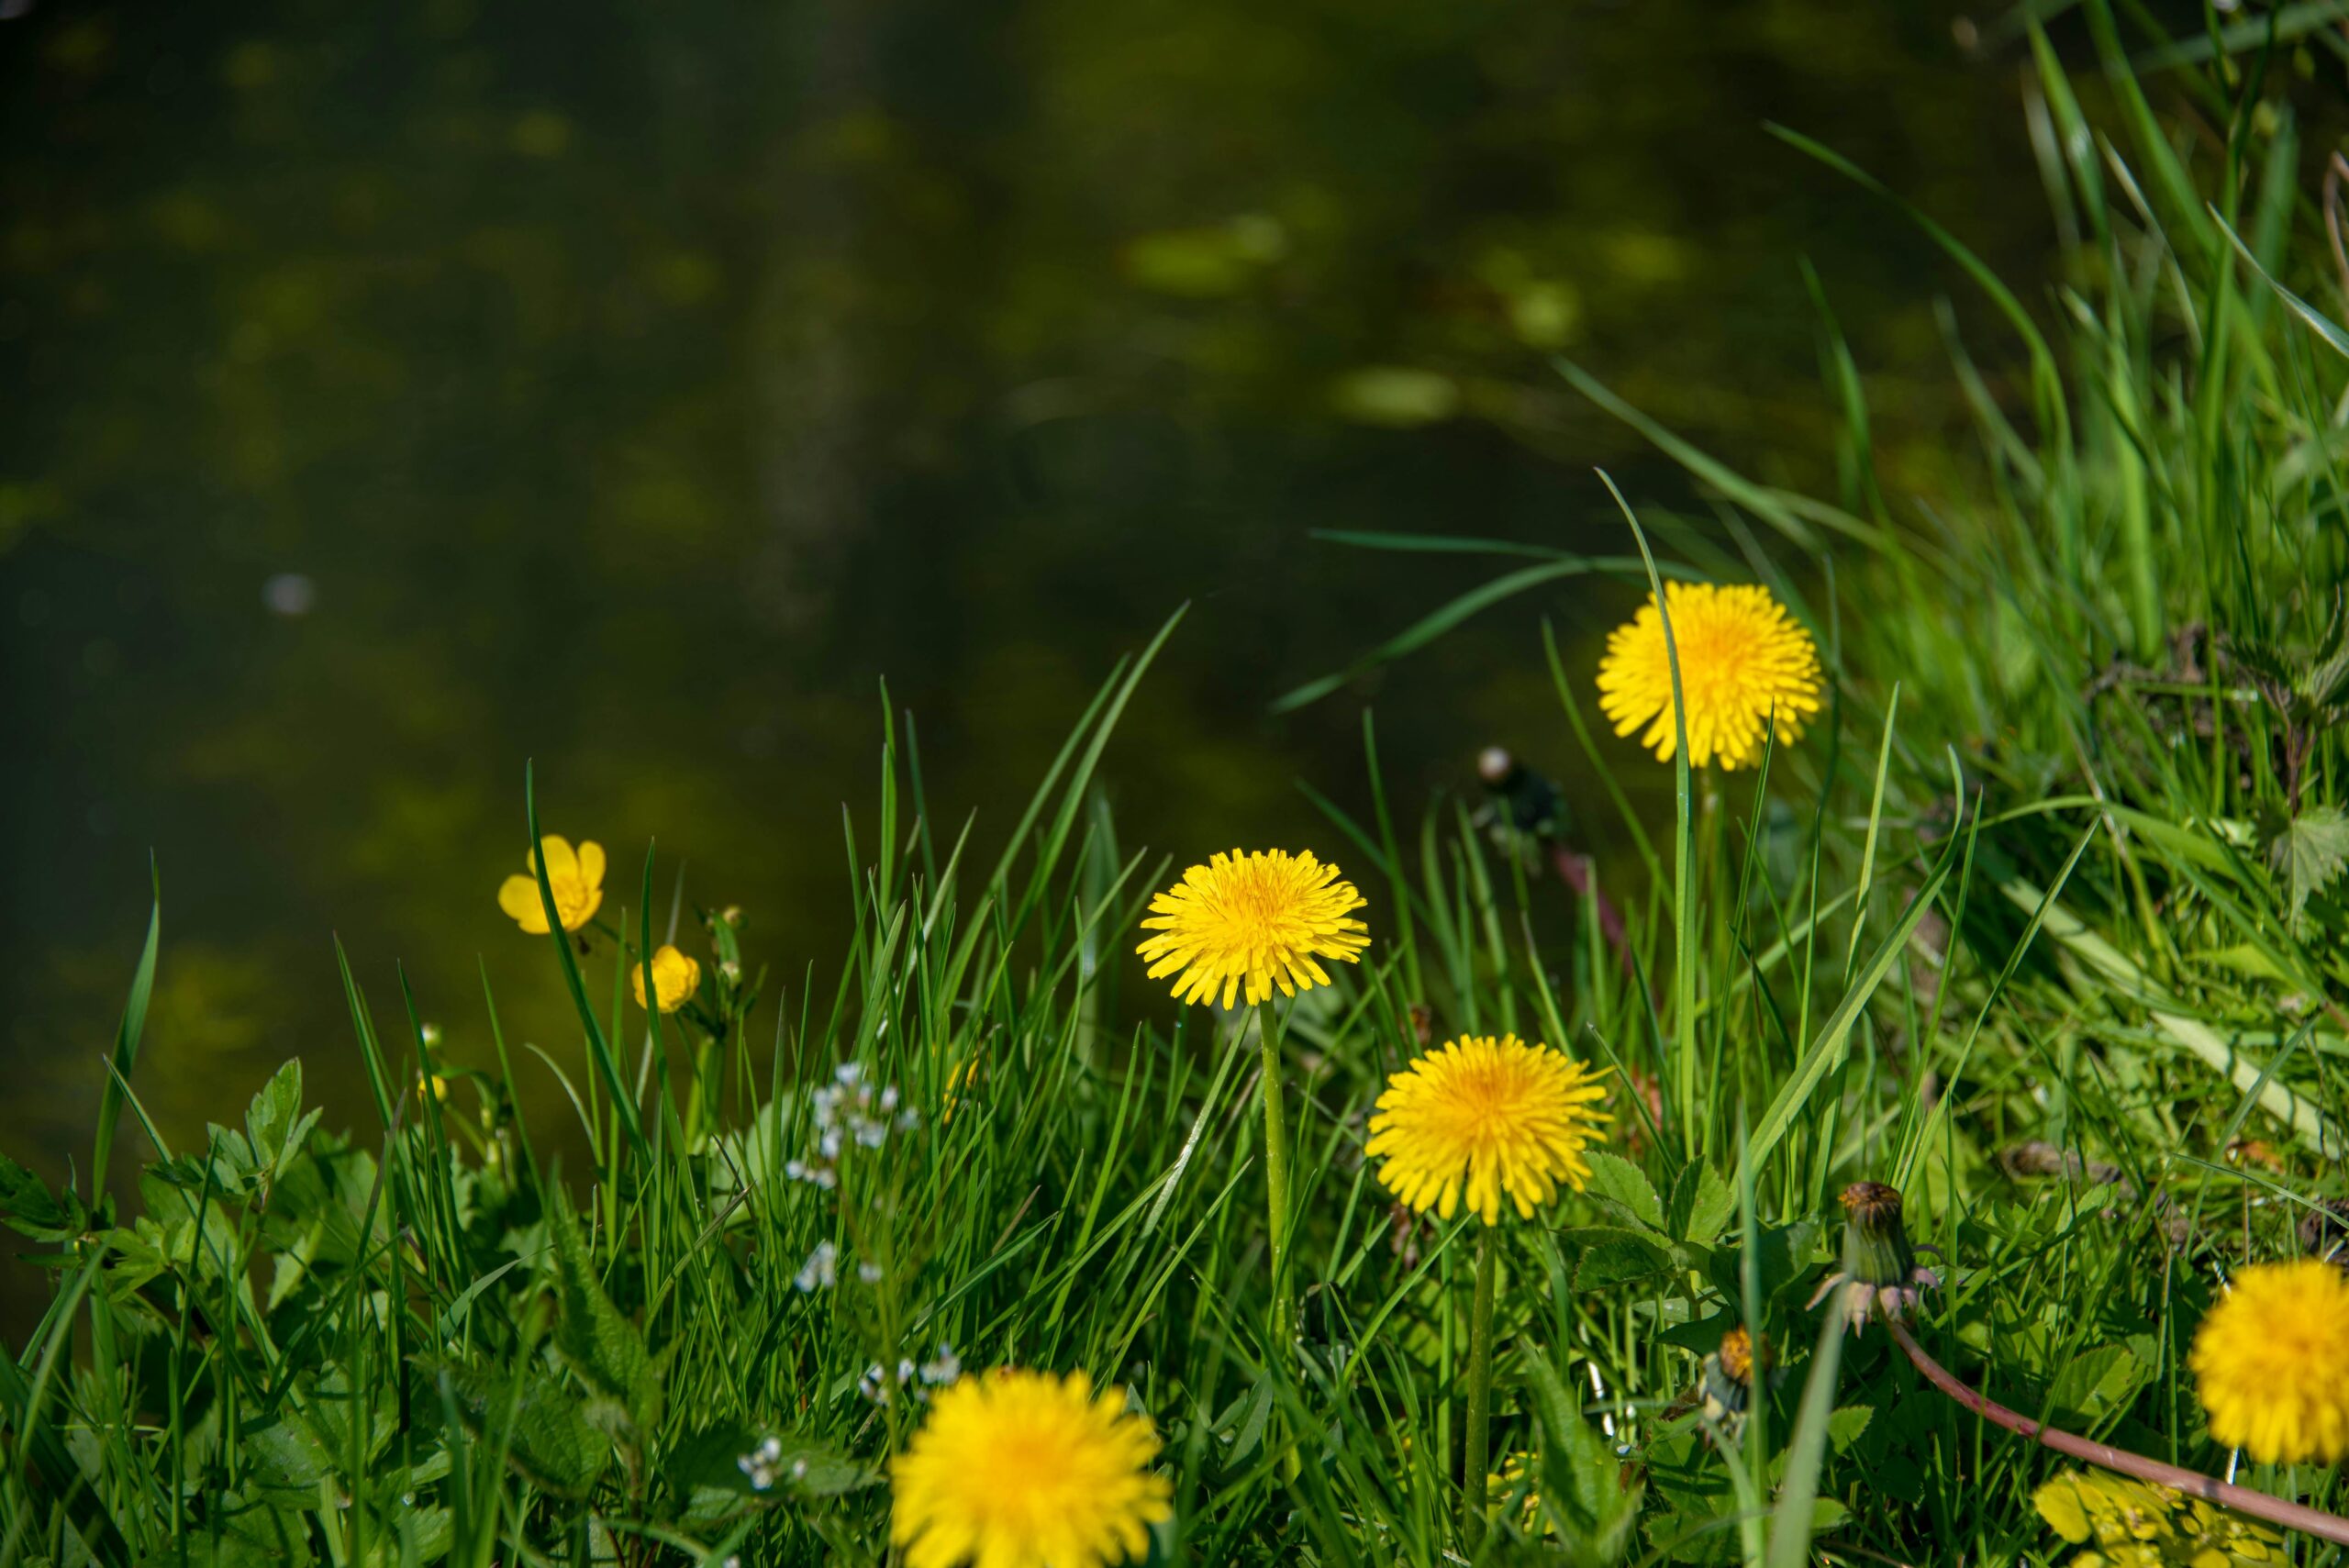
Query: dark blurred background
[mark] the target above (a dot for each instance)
(396, 393)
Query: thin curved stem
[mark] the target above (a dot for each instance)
(2193, 1482)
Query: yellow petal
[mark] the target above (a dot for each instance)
(563, 866)
(518, 896)
(591, 863)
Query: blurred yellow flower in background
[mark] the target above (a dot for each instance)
(1248, 922)
(1743, 660)
(675, 978)
(2132, 1524)
(2271, 1363)
(1020, 1469)
(1486, 1118)
(577, 880)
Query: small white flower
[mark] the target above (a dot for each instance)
(821, 1271)
(869, 1271)
(942, 1368)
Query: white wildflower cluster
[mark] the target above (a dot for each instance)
(821, 1271)
(849, 1110)
(764, 1464)
(941, 1369)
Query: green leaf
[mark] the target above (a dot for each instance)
(2308, 852)
(592, 1338)
(285, 1459)
(1844, 1427)
(275, 1124)
(1583, 1491)
(1702, 1202)
(30, 1208)
(1625, 1186)
(549, 1440)
(1783, 1254)
(240, 1532)
(710, 1476)
(1611, 1257)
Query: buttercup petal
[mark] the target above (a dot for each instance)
(518, 896)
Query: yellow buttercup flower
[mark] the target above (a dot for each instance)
(2271, 1363)
(1486, 1117)
(675, 978)
(1743, 661)
(1021, 1469)
(1247, 922)
(577, 880)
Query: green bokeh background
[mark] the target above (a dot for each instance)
(635, 387)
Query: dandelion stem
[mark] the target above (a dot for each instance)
(1478, 1461)
(1276, 1178)
(2194, 1483)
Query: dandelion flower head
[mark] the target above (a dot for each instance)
(1744, 664)
(1018, 1469)
(1244, 923)
(2271, 1363)
(576, 877)
(1484, 1117)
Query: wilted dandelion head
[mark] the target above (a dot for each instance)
(576, 878)
(2271, 1363)
(1244, 923)
(1742, 661)
(1018, 1469)
(1485, 1117)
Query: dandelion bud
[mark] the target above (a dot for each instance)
(1880, 1276)
(1876, 1244)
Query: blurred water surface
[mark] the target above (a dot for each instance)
(397, 393)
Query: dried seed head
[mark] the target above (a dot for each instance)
(1876, 1244)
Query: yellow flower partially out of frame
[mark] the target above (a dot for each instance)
(675, 978)
(2271, 1363)
(1744, 664)
(1484, 1117)
(577, 879)
(1017, 1469)
(1246, 923)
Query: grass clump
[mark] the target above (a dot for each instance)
(2040, 927)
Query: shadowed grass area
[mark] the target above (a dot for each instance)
(2041, 923)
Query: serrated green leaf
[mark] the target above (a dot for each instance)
(1619, 1182)
(549, 1440)
(1611, 1257)
(1702, 1202)
(592, 1338)
(2308, 852)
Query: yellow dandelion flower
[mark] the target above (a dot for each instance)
(1021, 1469)
(577, 879)
(675, 978)
(1254, 920)
(2271, 1363)
(1743, 660)
(1486, 1117)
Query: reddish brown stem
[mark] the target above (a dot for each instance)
(1574, 871)
(2193, 1482)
